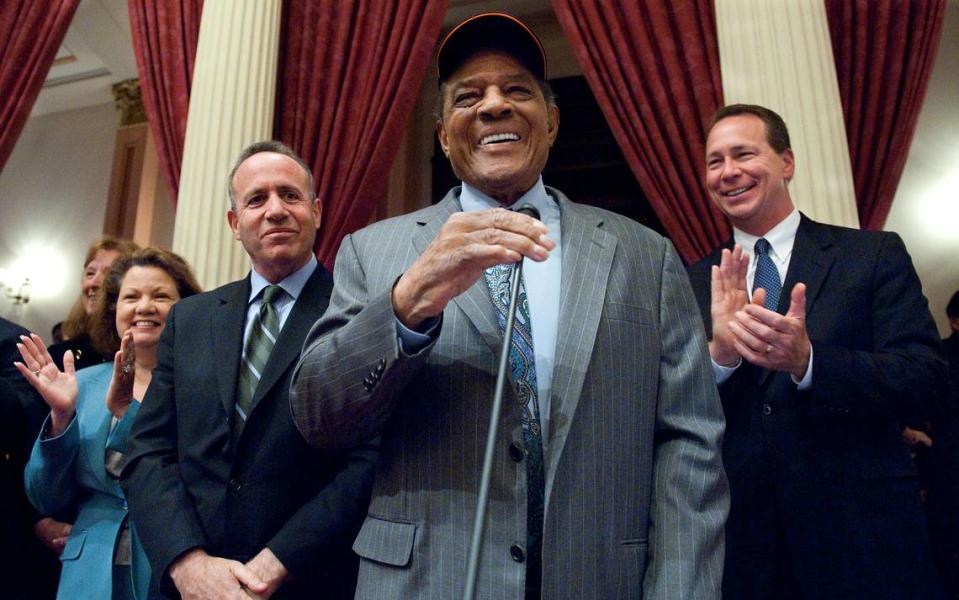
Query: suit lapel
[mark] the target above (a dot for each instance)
(588, 252)
(811, 260)
(227, 333)
(308, 308)
(475, 302)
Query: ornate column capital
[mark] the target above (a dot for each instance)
(129, 101)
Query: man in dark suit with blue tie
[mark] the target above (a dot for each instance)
(818, 367)
(225, 495)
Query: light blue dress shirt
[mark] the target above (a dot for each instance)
(293, 284)
(542, 280)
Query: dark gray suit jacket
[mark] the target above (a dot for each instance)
(189, 485)
(636, 495)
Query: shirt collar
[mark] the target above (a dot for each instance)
(293, 283)
(471, 199)
(780, 238)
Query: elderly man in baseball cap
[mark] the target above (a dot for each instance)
(607, 481)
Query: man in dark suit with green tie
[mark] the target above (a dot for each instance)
(225, 495)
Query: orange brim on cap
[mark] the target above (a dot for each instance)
(491, 30)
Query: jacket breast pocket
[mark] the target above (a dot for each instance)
(387, 542)
(74, 546)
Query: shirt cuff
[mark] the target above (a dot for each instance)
(721, 373)
(412, 341)
(806, 382)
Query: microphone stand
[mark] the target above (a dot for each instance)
(482, 502)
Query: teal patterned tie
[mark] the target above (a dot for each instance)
(256, 353)
(523, 365)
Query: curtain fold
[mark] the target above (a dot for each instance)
(350, 72)
(654, 69)
(884, 53)
(165, 38)
(30, 35)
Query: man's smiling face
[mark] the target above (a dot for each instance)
(497, 126)
(745, 176)
(276, 216)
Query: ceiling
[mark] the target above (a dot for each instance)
(96, 53)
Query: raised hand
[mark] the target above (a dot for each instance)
(120, 392)
(728, 295)
(468, 243)
(58, 388)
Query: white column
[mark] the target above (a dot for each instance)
(231, 106)
(777, 53)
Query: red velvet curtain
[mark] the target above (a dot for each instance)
(30, 34)
(349, 75)
(165, 36)
(884, 52)
(654, 69)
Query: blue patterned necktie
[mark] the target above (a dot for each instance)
(523, 365)
(767, 275)
(256, 352)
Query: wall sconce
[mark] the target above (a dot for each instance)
(38, 273)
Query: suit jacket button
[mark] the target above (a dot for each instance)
(234, 485)
(515, 452)
(516, 551)
(767, 409)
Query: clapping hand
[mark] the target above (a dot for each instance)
(58, 388)
(771, 340)
(120, 393)
(728, 295)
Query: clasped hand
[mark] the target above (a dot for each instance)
(198, 575)
(467, 244)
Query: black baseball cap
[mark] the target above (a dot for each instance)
(494, 31)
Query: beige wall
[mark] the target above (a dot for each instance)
(53, 193)
(926, 209)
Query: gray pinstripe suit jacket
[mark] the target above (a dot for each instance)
(636, 493)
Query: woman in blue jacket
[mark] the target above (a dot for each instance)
(77, 458)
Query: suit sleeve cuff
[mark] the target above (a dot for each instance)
(412, 341)
(721, 373)
(806, 382)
